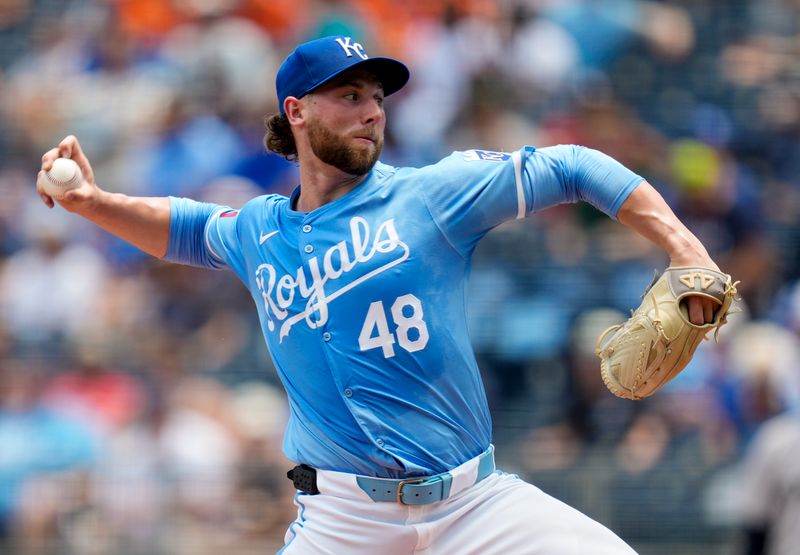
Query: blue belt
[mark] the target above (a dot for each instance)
(423, 490)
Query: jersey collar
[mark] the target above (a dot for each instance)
(349, 198)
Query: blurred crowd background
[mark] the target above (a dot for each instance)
(139, 411)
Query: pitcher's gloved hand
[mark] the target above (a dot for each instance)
(643, 353)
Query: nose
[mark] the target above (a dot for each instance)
(373, 113)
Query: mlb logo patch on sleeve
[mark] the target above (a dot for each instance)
(473, 155)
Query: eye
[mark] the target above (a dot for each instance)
(379, 99)
(353, 97)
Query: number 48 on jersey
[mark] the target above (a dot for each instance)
(410, 330)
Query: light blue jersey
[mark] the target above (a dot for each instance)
(362, 302)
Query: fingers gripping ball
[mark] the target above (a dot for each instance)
(646, 351)
(63, 176)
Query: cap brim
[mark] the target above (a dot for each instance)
(392, 74)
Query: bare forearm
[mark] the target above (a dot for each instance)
(646, 212)
(141, 221)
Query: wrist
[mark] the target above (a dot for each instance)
(688, 251)
(85, 201)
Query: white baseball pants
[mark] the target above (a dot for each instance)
(500, 515)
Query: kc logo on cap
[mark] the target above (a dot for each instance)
(350, 48)
(316, 62)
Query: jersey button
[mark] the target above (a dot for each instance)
(379, 441)
(348, 392)
(309, 248)
(306, 228)
(326, 336)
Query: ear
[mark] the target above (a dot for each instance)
(294, 110)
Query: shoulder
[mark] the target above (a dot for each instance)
(250, 216)
(473, 157)
(461, 162)
(262, 205)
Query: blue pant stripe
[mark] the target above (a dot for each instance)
(301, 520)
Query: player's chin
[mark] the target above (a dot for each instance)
(365, 151)
(365, 148)
(360, 163)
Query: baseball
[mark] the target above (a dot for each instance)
(63, 176)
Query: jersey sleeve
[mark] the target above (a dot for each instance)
(204, 234)
(468, 193)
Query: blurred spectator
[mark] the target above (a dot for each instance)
(16, 24)
(764, 359)
(650, 497)
(442, 75)
(282, 19)
(177, 161)
(241, 74)
(595, 415)
(47, 288)
(106, 400)
(604, 29)
(334, 17)
(148, 20)
(200, 445)
(769, 485)
(718, 200)
(541, 54)
(767, 501)
(40, 450)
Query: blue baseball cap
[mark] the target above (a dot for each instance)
(316, 62)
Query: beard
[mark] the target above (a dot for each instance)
(334, 150)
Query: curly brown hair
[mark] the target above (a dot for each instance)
(279, 138)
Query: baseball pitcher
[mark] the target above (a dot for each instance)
(359, 282)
